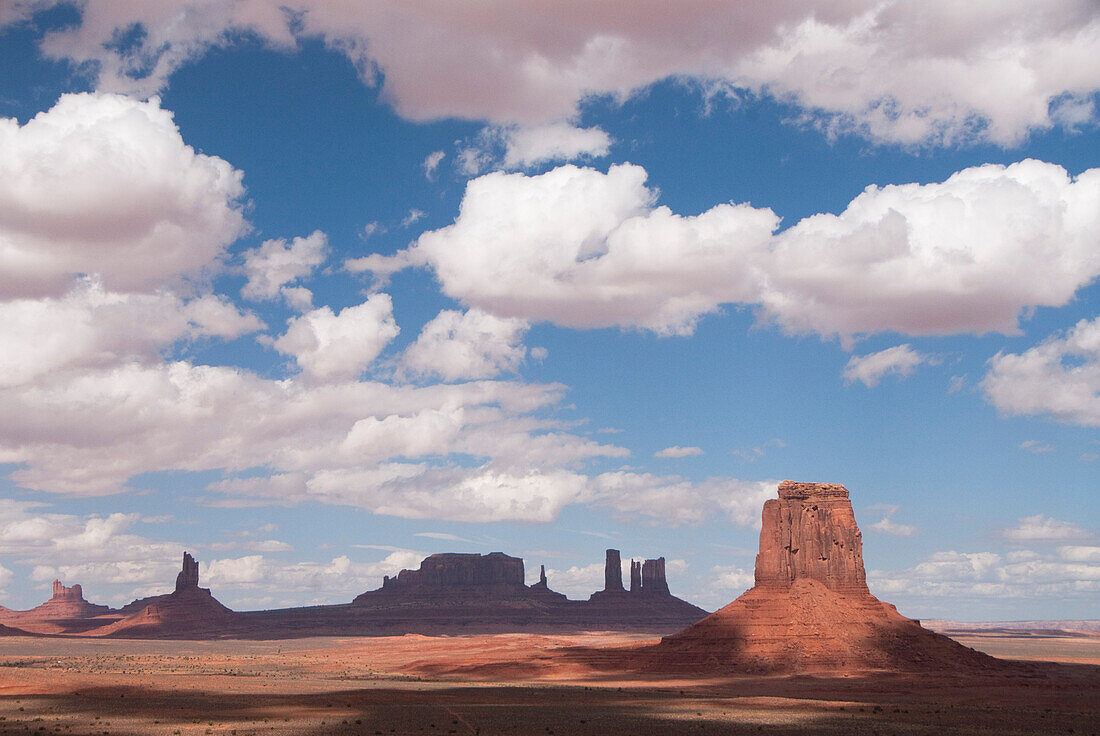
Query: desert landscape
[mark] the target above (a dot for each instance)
(434, 367)
(807, 650)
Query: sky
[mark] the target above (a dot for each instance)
(316, 289)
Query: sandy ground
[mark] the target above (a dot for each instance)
(506, 684)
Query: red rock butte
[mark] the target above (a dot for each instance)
(810, 609)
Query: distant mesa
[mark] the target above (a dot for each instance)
(65, 611)
(810, 610)
(449, 593)
(467, 592)
(451, 575)
(68, 603)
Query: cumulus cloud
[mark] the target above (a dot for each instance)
(1059, 377)
(276, 263)
(338, 346)
(586, 249)
(990, 575)
(900, 360)
(527, 146)
(888, 526)
(463, 345)
(104, 186)
(677, 451)
(583, 248)
(90, 327)
(903, 72)
(1040, 528)
(731, 578)
(1036, 447)
(84, 549)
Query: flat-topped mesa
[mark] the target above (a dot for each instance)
(188, 577)
(453, 573)
(810, 532)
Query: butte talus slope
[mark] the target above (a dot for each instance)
(810, 610)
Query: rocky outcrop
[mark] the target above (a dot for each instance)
(653, 577)
(612, 572)
(810, 532)
(635, 576)
(810, 610)
(187, 612)
(66, 610)
(188, 577)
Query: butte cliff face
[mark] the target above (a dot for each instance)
(810, 532)
(810, 610)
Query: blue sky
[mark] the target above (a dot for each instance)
(314, 291)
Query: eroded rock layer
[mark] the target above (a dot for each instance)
(810, 532)
(810, 610)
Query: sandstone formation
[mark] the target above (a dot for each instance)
(450, 575)
(187, 612)
(65, 611)
(810, 610)
(463, 593)
(613, 572)
(188, 577)
(447, 594)
(647, 577)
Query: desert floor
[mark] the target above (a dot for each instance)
(508, 684)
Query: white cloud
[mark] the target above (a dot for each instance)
(577, 582)
(336, 346)
(754, 453)
(104, 186)
(443, 536)
(1059, 377)
(1035, 447)
(413, 217)
(463, 345)
(276, 263)
(906, 72)
(672, 500)
(582, 248)
(894, 529)
(90, 327)
(988, 575)
(900, 360)
(585, 249)
(257, 577)
(677, 451)
(1040, 528)
(431, 163)
(6, 576)
(432, 431)
(965, 255)
(731, 578)
(1080, 553)
(298, 298)
(527, 146)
